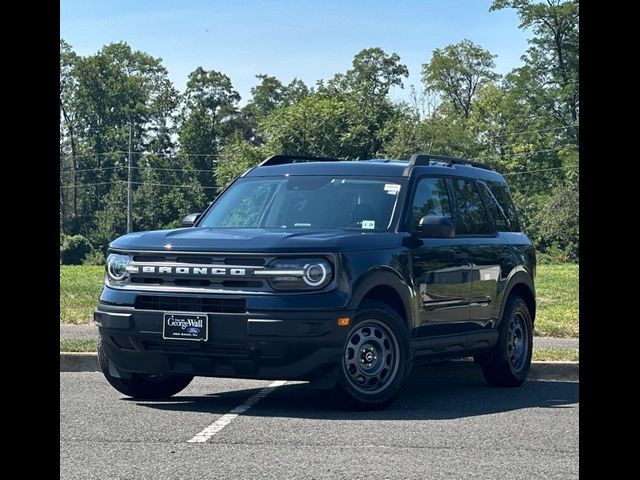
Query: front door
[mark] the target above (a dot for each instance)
(441, 268)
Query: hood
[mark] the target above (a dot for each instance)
(206, 239)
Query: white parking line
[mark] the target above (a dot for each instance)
(227, 418)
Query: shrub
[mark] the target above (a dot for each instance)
(73, 249)
(555, 228)
(95, 257)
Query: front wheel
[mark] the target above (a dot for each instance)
(509, 363)
(376, 358)
(141, 385)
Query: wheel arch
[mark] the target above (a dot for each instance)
(521, 284)
(387, 287)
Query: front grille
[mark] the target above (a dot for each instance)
(179, 271)
(191, 304)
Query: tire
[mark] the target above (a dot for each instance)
(376, 359)
(140, 385)
(509, 363)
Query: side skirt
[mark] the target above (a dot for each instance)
(425, 349)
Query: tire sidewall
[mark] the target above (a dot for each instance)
(516, 305)
(386, 315)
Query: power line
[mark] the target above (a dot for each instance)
(71, 170)
(115, 152)
(213, 170)
(540, 170)
(516, 154)
(178, 169)
(504, 134)
(543, 151)
(170, 185)
(140, 168)
(138, 183)
(159, 154)
(71, 185)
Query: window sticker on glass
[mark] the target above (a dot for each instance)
(369, 224)
(392, 188)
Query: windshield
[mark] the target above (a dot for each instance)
(307, 202)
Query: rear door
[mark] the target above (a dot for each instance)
(477, 234)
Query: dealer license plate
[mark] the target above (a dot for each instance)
(185, 326)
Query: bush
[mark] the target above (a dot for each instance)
(555, 228)
(73, 249)
(95, 257)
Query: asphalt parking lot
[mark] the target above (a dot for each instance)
(438, 428)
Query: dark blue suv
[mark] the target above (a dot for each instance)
(343, 273)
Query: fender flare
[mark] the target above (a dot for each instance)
(519, 276)
(388, 278)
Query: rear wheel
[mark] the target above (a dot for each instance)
(509, 363)
(376, 359)
(141, 385)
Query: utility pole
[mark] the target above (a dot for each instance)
(129, 170)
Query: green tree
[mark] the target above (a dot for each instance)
(165, 197)
(555, 227)
(268, 95)
(68, 140)
(113, 89)
(457, 72)
(363, 94)
(314, 126)
(550, 73)
(236, 158)
(295, 91)
(374, 72)
(210, 105)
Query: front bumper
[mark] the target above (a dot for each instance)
(287, 345)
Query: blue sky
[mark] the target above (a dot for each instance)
(307, 39)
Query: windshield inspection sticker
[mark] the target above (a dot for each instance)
(391, 188)
(369, 224)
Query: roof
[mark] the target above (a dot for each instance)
(372, 168)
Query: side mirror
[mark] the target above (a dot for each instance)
(190, 219)
(435, 226)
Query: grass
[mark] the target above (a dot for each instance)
(80, 287)
(558, 300)
(78, 344)
(556, 286)
(556, 354)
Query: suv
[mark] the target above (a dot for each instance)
(343, 273)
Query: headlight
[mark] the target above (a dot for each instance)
(117, 273)
(298, 273)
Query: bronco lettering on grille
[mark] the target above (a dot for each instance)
(198, 271)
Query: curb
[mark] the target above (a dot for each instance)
(79, 362)
(454, 369)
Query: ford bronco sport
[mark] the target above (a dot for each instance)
(343, 273)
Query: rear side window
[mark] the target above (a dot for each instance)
(472, 215)
(495, 210)
(431, 198)
(503, 197)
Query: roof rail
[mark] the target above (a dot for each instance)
(284, 159)
(428, 159)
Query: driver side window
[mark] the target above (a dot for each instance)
(431, 198)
